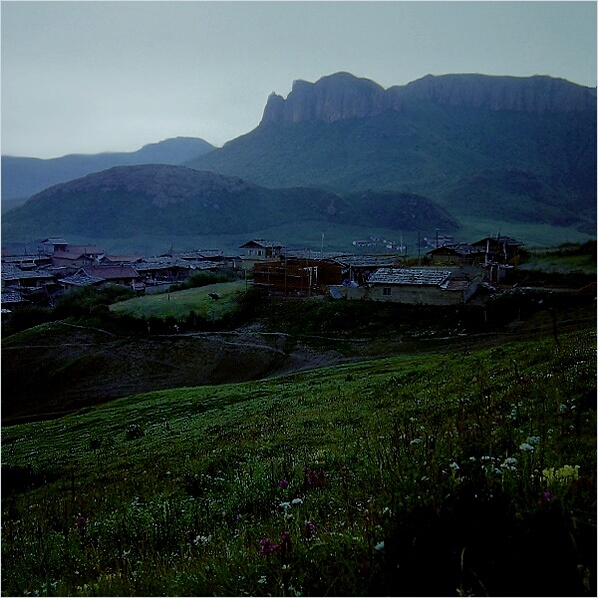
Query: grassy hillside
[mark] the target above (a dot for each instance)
(501, 164)
(470, 473)
(179, 305)
(169, 202)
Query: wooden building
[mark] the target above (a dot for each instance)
(259, 250)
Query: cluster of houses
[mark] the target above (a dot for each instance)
(57, 266)
(451, 275)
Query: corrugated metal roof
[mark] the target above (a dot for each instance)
(409, 276)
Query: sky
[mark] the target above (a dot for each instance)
(95, 76)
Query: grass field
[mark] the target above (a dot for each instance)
(464, 473)
(180, 304)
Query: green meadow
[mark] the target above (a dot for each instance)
(178, 305)
(463, 473)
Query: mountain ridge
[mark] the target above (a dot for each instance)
(342, 96)
(23, 176)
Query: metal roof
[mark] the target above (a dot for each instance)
(411, 276)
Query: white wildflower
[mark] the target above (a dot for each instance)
(526, 447)
(509, 464)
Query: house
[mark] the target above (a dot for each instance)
(452, 255)
(71, 260)
(163, 270)
(499, 249)
(357, 268)
(120, 259)
(76, 256)
(299, 276)
(25, 280)
(79, 280)
(428, 286)
(259, 250)
(121, 275)
(11, 299)
(51, 245)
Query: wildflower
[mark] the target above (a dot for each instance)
(416, 441)
(568, 471)
(379, 546)
(203, 540)
(309, 529)
(283, 484)
(267, 547)
(314, 478)
(565, 473)
(285, 505)
(545, 499)
(454, 466)
(80, 523)
(297, 501)
(526, 447)
(533, 439)
(510, 463)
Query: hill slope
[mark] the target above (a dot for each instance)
(22, 177)
(443, 137)
(477, 465)
(174, 201)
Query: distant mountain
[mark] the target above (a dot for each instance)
(22, 177)
(512, 149)
(174, 201)
(343, 96)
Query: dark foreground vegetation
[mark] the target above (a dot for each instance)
(467, 473)
(449, 451)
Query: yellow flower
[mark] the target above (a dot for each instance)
(566, 472)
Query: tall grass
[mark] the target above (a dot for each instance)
(471, 473)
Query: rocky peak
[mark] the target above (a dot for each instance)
(342, 96)
(336, 97)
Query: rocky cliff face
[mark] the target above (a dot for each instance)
(342, 96)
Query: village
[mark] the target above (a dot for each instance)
(447, 274)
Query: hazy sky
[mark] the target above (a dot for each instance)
(86, 77)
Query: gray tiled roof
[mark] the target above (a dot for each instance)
(411, 276)
(11, 297)
(12, 272)
(81, 280)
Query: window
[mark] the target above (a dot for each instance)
(386, 291)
